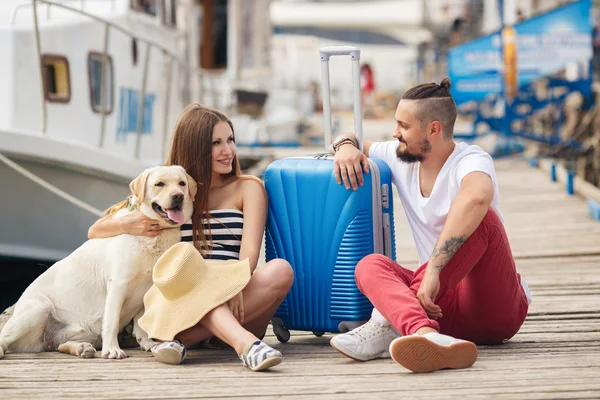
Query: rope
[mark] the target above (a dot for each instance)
(50, 187)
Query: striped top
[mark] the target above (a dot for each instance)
(226, 229)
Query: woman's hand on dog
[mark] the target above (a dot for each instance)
(236, 305)
(138, 224)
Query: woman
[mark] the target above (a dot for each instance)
(367, 83)
(204, 144)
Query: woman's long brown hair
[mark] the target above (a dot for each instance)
(191, 148)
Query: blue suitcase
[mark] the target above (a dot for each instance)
(323, 230)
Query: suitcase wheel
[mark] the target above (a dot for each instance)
(318, 334)
(283, 336)
(281, 332)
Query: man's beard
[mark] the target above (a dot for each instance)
(408, 157)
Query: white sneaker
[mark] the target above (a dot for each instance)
(432, 351)
(367, 342)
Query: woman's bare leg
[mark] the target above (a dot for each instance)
(254, 353)
(221, 323)
(193, 335)
(264, 293)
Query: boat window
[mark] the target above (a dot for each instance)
(57, 83)
(213, 48)
(169, 15)
(145, 6)
(134, 51)
(95, 79)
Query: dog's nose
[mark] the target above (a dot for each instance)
(177, 198)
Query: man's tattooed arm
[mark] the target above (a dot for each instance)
(442, 254)
(468, 209)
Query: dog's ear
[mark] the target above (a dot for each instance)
(193, 186)
(138, 186)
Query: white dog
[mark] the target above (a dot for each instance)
(82, 302)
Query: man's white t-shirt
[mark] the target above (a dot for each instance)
(427, 215)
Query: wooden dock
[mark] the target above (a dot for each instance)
(555, 355)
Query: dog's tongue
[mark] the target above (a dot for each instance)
(175, 215)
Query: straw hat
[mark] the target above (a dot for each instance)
(186, 287)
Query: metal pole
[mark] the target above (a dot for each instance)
(103, 94)
(326, 102)
(142, 103)
(40, 66)
(233, 39)
(509, 11)
(168, 79)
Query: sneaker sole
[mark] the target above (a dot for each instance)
(268, 363)
(168, 355)
(419, 354)
(355, 356)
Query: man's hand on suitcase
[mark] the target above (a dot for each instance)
(348, 165)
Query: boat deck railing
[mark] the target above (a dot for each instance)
(82, 7)
(204, 80)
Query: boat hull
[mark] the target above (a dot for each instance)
(37, 224)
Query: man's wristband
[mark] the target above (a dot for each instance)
(342, 141)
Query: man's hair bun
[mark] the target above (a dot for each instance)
(446, 84)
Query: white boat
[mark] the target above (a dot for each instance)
(89, 95)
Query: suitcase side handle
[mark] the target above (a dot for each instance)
(354, 53)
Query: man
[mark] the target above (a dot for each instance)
(467, 290)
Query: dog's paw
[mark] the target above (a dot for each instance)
(1, 352)
(86, 350)
(146, 343)
(113, 352)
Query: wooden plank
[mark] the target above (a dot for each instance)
(556, 354)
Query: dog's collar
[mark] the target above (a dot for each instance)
(131, 207)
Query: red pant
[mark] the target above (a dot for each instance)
(480, 290)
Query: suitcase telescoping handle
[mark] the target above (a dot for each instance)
(354, 53)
